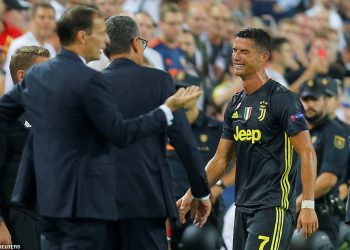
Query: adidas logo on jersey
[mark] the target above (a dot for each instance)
(235, 115)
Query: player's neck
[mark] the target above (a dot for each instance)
(254, 82)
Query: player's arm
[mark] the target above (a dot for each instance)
(222, 158)
(215, 170)
(302, 144)
(227, 180)
(307, 219)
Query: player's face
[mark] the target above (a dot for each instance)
(314, 108)
(245, 57)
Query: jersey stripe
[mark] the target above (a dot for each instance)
(281, 228)
(275, 230)
(278, 230)
(285, 185)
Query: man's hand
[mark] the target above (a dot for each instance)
(307, 220)
(5, 237)
(184, 205)
(200, 209)
(182, 97)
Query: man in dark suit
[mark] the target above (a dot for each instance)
(21, 221)
(143, 175)
(74, 122)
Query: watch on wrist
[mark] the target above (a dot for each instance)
(221, 184)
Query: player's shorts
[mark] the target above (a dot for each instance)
(270, 228)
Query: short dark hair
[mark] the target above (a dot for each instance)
(261, 38)
(36, 6)
(73, 20)
(121, 30)
(24, 57)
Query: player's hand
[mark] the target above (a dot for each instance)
(215, 192)
(182, 97)
(200, 210)
(5, 237)
(307, 221)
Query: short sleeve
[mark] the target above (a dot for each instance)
(227, 132)
(289, 112)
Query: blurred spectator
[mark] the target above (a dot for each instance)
(150, 6)
(290, 29)
(167, 44)
(72, 3)
(223, 92)
(344, 112)
(41, 29)
(241, 10)
(276, 8)
(319, 64)
(280, 60)
(146, 26)
(193, 64)
(197, 21)
(16, 15)
(7, 31)
(326, 9)
(109, 7)
(345, 55)
(344, 11)
(59, 6)
(218, 50)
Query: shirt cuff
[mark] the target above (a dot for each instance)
(202, 198)
(168, 114)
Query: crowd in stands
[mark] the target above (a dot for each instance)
(193, 39)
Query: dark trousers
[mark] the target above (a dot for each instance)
(75, 234)
(270, 228)
(24, 228)
(145, 234)
(330, 225)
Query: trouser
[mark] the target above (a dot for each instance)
(270, 228)
(75, 234)
(141, 233)
(23, 227)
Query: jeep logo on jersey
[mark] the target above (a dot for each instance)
(253, 135)
(262, 109)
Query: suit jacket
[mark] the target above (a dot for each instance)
(11, 146)
(143, 175)
(74, 119)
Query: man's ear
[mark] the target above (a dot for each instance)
(81, 36)
(264, 57)
(20, 75)
(134, 45)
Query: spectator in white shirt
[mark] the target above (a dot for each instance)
(42, 27)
